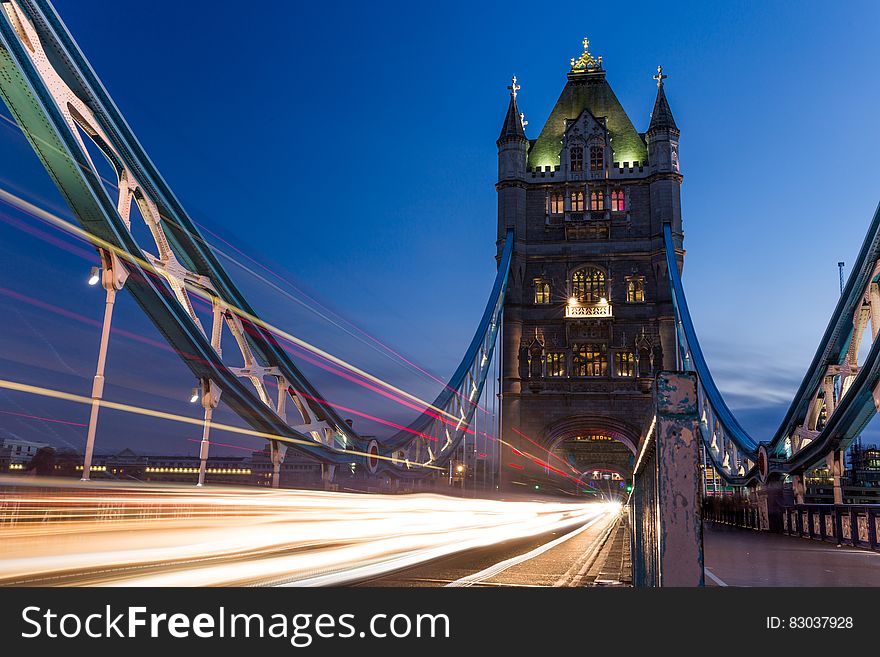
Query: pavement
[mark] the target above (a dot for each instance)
(743, 557)
(597, 550)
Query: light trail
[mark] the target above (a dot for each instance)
(501, 566)
(550, 453)
(63, 312)
(324, 310)
(43, 419)
(162, 415)
(30, 208)
(165, 535)
(388, 351)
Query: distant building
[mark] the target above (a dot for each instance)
(19, 452)
(185, 469)
(5, 459)
(864, 465)
(296, 471)
(861, 483)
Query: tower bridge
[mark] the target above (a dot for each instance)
(601, 381)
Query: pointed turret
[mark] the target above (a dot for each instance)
(665, 184)
(662, 133)
(512, 142)
(661, 117)
(513, 148)
(513, 122)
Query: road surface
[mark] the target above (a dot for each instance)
(122, 535)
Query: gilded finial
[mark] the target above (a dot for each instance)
(660, 76)
(586, 62)
(514, 87)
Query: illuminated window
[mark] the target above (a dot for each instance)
(576, 154)
(617, 202)
(589, 360)
(557, 204)
(577, 201)
(635, 289)
(555, 364)
(597, 158)
(625, 363)
(597, 201)
(588, 285)
(542, 291)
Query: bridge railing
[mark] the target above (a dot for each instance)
(736, 511)
(843, 524)
(667, 532)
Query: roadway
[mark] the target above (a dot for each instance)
(109, 534)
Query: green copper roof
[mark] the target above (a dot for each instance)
(588, 91)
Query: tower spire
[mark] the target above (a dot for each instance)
(661, 117)
(514, 124)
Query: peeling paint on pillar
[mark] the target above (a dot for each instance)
(678, 481)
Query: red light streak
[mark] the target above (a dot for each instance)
(44, 419)
(364, 415)
(317, 303)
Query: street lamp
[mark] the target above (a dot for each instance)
(572, 301)
(114, 281)
(194, 397)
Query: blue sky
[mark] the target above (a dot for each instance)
(350, 147)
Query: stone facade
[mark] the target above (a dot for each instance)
(588, 317)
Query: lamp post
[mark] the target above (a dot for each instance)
(112, 278)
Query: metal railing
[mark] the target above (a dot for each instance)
(842, 524)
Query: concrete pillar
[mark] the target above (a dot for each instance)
(678, 480)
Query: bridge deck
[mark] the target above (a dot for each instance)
(742, 557)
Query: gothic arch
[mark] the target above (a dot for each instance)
(578, 425)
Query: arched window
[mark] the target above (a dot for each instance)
(597, 201)
(624, 363)
(597, 158)
(542, 291)
(577, 201)
(576, 156)
(635, 289)
(556, 364)
(617, 201)
(557, 204)
(589, 360)
(588, 285)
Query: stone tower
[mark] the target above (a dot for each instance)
(588, 316)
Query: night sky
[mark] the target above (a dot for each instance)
(350, 150)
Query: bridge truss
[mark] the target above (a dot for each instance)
(59, 103)
(837, 398)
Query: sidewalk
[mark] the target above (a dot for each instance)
(743, 557)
